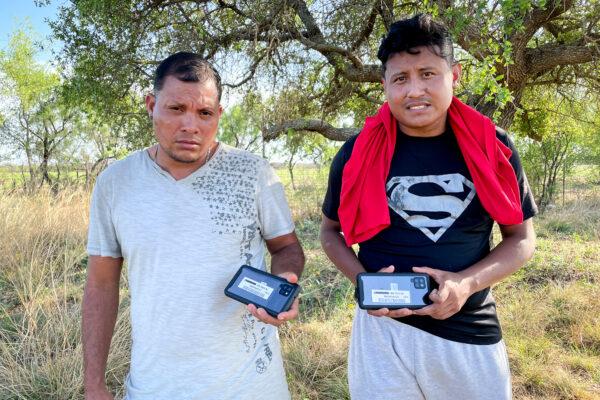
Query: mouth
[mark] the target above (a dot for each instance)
(188, 142)
(418, 106)
(189, 145)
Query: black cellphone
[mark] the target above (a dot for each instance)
(393, 291)
(265, 290)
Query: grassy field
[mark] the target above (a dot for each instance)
(550, 309)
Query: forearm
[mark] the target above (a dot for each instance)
(508, 256)
(288, 259)
(342, 256)
(100, 307)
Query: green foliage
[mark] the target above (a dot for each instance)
(25, 79)
(567, 127)
(240, 125)
(307, 47)
(36, 121)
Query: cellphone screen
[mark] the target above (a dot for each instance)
(393, 290)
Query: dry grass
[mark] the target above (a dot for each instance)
(42, 272)
(550, 309)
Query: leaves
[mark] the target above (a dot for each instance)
(324, 51)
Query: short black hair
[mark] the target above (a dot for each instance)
(406, 35)
(187, 67)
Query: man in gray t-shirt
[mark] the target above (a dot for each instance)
(185, 214)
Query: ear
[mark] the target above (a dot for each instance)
(456, 73)
(220, 110)
(150, 103)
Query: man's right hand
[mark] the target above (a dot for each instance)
(386, 312)
(99, 394)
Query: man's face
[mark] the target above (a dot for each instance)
(419, 89)
(186, 117)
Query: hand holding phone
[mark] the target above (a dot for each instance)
(260, 289)
(393, 291)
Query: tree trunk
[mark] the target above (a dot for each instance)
(44, 171)
(291, 171)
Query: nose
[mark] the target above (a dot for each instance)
(190, 122)
(415, 88)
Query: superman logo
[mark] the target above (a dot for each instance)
(431, 214)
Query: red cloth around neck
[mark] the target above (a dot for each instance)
(363, 210)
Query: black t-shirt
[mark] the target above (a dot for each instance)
(437, 221)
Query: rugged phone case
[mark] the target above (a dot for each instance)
(393, 291)
(265, 290)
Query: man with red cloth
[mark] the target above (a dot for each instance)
(419, 190)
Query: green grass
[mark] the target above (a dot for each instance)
(550, 309)
(16, 178)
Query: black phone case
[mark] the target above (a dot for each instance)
(422, 294)
(280, 299)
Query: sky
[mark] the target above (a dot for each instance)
(14, 13)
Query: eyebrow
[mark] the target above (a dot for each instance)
(426, 68)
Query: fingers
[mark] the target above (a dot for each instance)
(380, 312)
(434, 309)
(437, 311)
(399, 313)
(385, 312)
(262, 315)
(439, 295)
(388, 270)
(443, 293)
(427, 310)
(289, 276)
(290, 314)
(436, 274)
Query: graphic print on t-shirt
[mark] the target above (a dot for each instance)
(431, 214)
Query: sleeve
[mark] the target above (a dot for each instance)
(331, 202)
(527, 201)
(274, 216)
(102, 237)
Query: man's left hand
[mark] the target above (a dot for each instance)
(292, 313)
(449, 297)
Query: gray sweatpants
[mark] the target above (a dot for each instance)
(390, 360)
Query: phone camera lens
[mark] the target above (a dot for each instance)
(285, 289)
(419, 282)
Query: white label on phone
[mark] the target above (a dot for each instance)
(390, 296)
(260, 289)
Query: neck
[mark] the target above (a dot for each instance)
(435, 129)
(178, 169)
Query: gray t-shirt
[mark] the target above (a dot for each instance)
(183, 241)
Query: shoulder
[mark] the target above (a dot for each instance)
(120, 169)
(344, 153)
(242, 160)
(348, 145)
(241, 163)
(504, 137)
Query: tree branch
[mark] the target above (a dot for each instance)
(546, 57)
(386, 10)
(536, 18)
(310, 125)
(367, 28)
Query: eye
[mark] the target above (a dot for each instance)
(428, 74)
(176, 108)
(400, 79)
